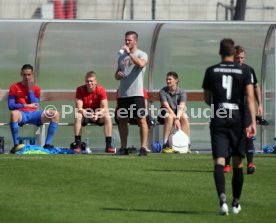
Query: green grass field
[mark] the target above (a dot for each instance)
(104, 188)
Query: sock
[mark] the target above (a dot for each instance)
(249, 150)
(227, 160)
(165, 144)
(108, 141)
(237, 183)
(78, 139)
(15, 131)
(220, 182)
(249, 157)
(51, 131)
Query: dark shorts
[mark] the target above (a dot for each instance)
(87, 121)
(161, 115)
(131, 107)
(33, 117)
(227, 141)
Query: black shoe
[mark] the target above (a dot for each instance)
(48, 146)
(122, 152)
(143, 152)
(261, 121)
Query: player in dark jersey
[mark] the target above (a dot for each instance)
(225, 86)
(239, 58)
(23, 103)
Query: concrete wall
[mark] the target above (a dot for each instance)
(165, 9)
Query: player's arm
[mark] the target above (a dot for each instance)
(258, 95)
(138, 61)
(166, 105)
(12, 103)
(104, 107)
(79, 106)
(251, 129)
(207, 97)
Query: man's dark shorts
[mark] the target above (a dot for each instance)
(131, 107)
(227, 141)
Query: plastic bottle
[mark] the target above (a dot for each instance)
(87, 148)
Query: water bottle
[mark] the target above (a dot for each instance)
(87, 148)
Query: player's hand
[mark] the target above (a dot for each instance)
(30, 84)
(250, 131)
(33, 105)
(87, 114)
(260, 111)
(94, 117)
(177, 124)
(119, 75)
(126, 49)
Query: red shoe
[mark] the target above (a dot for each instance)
(227, 169)
(77, 150)
(110, 150)
(251, 168)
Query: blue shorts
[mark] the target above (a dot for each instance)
(33, 117)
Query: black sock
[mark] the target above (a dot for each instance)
(237, 183)
(249, 157)
(77, 139)
(220, 182)
(108, 141)
(227, 160)
(249, 150)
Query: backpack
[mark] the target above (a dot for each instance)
(179, 141)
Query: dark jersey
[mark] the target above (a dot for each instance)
(227, 85)
(252, 73)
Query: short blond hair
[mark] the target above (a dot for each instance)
(90, 74)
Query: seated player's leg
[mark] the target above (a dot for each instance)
(52, 117)
(106, 120)
(15, 119)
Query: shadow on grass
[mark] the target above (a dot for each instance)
(150, 210)
(191, 171)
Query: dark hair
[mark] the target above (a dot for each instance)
(227, 47)
(132, 33)
(173, 74)
(27, 67)
(239, 49)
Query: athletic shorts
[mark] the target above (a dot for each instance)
(161, 115)
(131, 107)
(32, 117)
(227, 141)
(85, 122)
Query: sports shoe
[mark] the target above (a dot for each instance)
(261, 121)
(110, 150)
(236, 209)
(251, 168)
(143, 151)
(48, 146)
(77, 150)
(223, 209)
(122, 152)
(227, 169)
(147, 149)
(168, 150)
(16, 148)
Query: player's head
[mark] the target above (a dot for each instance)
(27, 73)
(172, 79)
(131, 39)
(90, 80)
(227, 48)
(239, 54)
